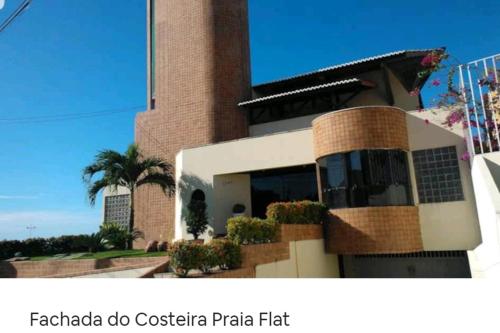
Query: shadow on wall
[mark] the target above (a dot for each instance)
(188, 184)
(7, 270)
(428, 128)
(494, 170)
(343, 238)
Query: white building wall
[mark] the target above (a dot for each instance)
(219, 171)
(485, 259)
(307, 260)
(448, 225)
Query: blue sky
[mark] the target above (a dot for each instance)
(74, 56)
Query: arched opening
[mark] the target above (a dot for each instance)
(198, 195)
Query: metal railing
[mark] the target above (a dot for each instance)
(481, 95)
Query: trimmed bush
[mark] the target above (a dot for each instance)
(227, 253)
(209, 259)
(247, 230)
(185, 256)
(196, 218)
(298, 212)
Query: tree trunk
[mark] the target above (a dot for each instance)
(131, 225)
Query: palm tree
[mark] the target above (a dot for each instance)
(130, 170)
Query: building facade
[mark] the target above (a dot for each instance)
(401, 200)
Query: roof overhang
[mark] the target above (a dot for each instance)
(405, 64)
(335, 86)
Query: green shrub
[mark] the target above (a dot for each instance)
(93, 243)
(247, 230)
(118, 236)
(9, 247)
(209, 260)
(228, 253)
(47, 246)
(196, 218)
(34, 247)
(298, 212)
(185, 256)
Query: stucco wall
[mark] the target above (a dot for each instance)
(219, 170)
(307, 260)
(448, 225)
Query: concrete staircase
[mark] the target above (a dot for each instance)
(485, 259)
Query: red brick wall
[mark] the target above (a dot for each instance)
(202, 72)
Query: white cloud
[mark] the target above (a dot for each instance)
(18, 197)
(2, 3)
(48, 223)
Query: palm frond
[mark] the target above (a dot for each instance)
(165, 180)
(94, 188)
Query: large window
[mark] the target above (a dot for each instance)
(365, 178)
(288, 184)
(152, 55)
(438, 175)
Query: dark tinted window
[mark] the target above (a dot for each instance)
(288, 184)
(365, 178)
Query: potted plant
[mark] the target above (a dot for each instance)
(238, 209)
(196, 219)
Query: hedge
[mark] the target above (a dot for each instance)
(247, 230)
(228, 253)
(186, 256)
(43, 246)
(298, 212)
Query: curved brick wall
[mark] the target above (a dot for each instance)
(360, 128)
(373, 230)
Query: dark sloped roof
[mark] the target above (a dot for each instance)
(326, 86)
(340, 71)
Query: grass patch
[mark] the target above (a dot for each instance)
(107, 255)
(121, 254)
(40, 258)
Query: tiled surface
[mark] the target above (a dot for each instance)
(298, 232)
(438, 175)
(69, 268)
(202, 73)
(374, 230)
(360, 128)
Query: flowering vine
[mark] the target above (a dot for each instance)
(456, 101)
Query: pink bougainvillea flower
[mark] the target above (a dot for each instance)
(415, 92)
(436, 82)
(430, 60)
(465, 156)
(421, 110)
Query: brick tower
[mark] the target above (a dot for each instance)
(198, 70)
